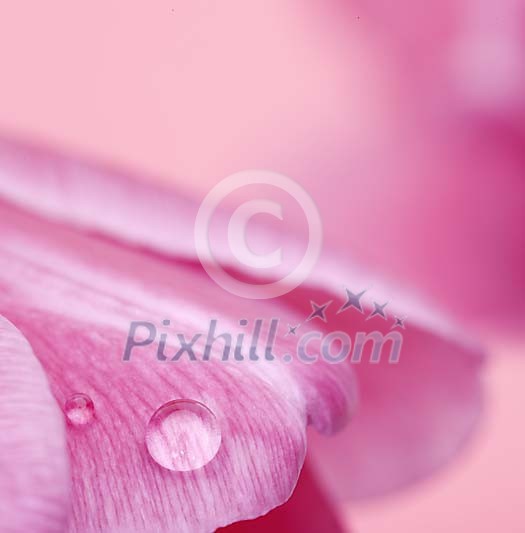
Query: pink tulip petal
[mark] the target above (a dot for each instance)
(34, 481)
(74, 296)
(146, 216)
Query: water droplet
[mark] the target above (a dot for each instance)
(183, 435)
(80, 409)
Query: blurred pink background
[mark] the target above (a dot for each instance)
(406, 121)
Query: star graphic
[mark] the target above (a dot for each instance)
(399, 322)
(379, 310)
(292, 330)
(318, 310)
(352, 300)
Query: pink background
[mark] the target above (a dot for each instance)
(120, 81)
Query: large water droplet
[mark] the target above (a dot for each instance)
(80, 409)
(183, 435)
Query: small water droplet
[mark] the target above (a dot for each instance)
(183, 435)
(80, 409)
